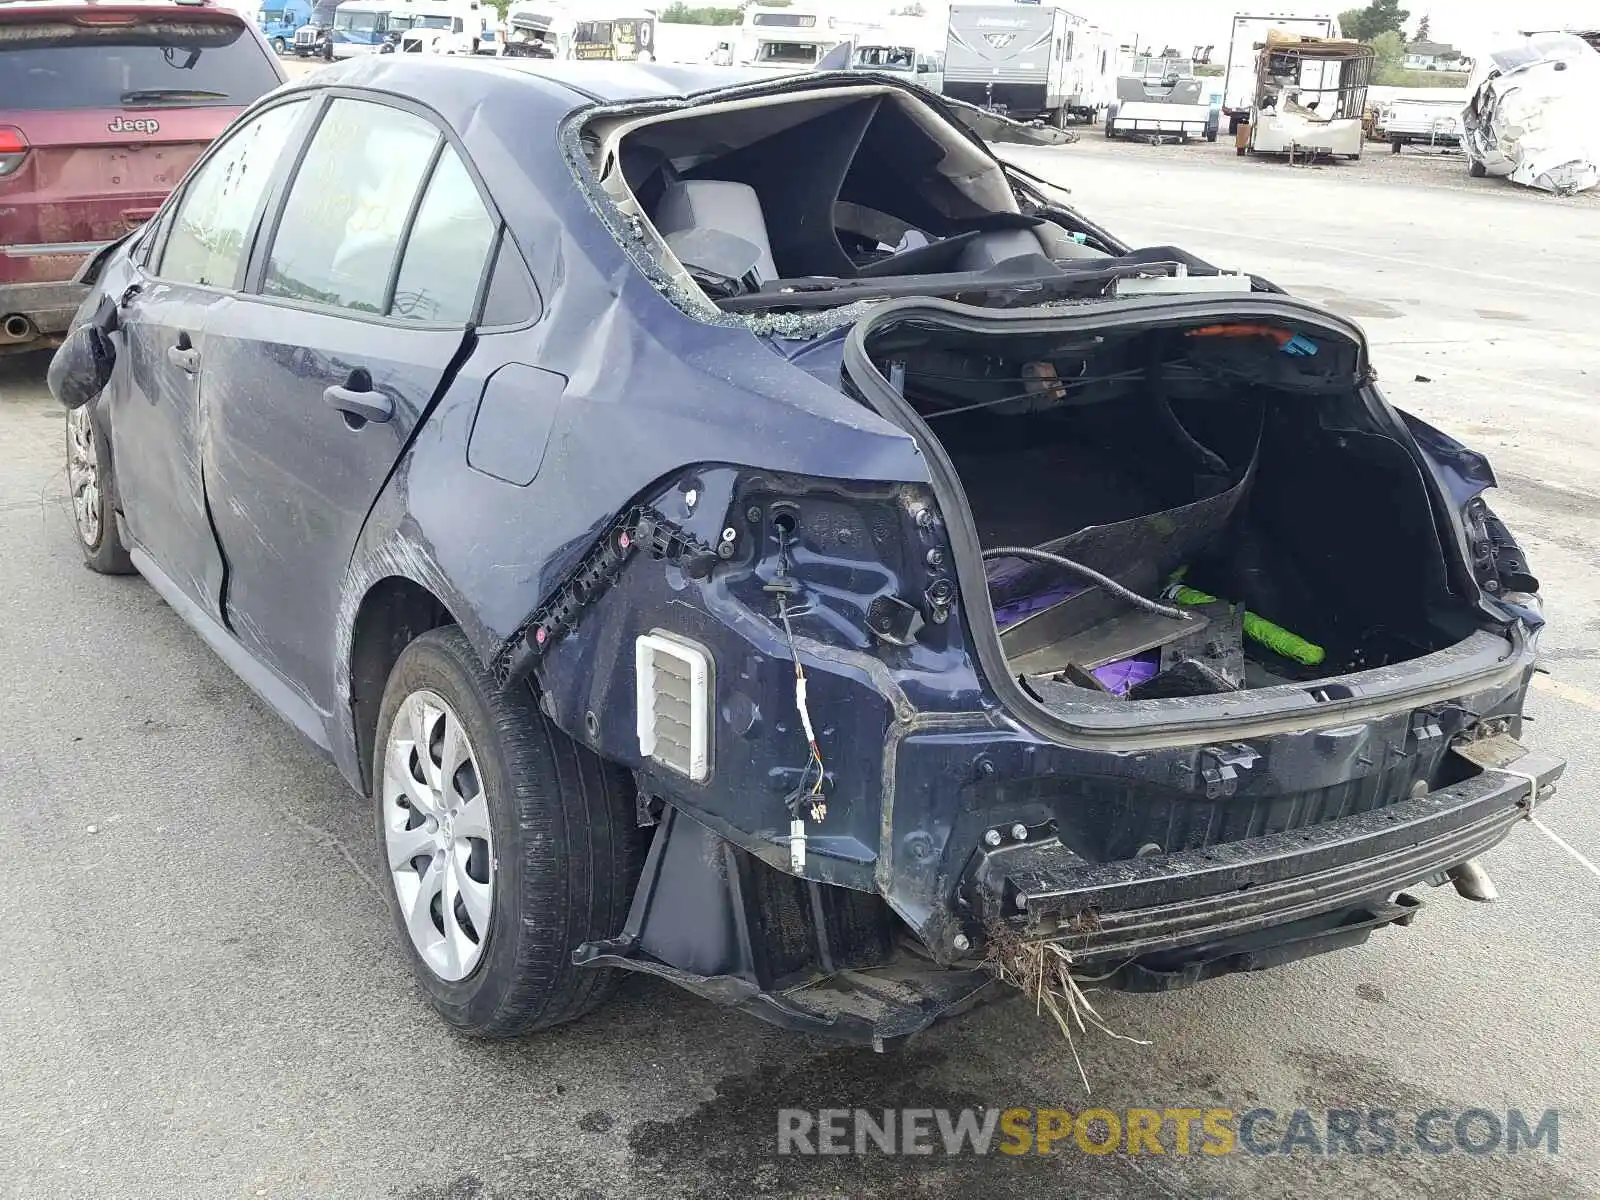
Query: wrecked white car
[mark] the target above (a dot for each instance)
(1534, 115)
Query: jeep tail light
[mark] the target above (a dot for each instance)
(13, 149)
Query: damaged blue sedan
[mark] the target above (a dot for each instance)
(742, 530)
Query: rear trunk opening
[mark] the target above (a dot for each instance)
(1233, 470)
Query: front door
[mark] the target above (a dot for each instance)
(154, 415)
(318, 375)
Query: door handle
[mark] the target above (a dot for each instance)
(367, 405)
(184, 355)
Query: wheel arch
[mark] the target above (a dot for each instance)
(392, 613)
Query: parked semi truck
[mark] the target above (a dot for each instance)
(280, 18)
(1249, 35)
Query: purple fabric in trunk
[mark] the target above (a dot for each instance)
(1018, 589)
(1119, 676)
(1008, 614)
(1014, 600)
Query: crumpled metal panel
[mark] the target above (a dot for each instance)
(1534, 115)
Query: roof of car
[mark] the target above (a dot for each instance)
(583, 83)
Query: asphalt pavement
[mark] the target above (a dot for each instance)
(201, 995)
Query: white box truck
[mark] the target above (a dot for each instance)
(1249, 33)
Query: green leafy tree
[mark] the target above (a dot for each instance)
(1390, 48)
(1381, 16)
(1423, 29)
(679, 13)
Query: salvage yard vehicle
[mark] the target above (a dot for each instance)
(736, 528)
(1027, 62)
(1411, 121)
(440, 26)
(1162, 98)
(1248, 35)
(1311, 94)
(1534, 115)
(103, 107)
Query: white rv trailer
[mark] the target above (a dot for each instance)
(1093, 86)
(1024, 60)
(796, 35)
(1249, 35)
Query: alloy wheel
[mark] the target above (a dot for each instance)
(83, 476)
(436, 830)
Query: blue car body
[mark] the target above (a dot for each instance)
(605, 462)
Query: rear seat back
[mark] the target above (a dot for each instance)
(717, 204)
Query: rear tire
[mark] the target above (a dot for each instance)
(92, 489)
(536, 830)
(1476, 169)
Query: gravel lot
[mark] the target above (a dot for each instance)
(204, 998)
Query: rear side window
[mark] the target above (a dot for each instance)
(346, 212)
(219, 202)
(447, 250)
(148, 64)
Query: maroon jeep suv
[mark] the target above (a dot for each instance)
(103, 107)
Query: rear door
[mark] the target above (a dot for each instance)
(110, 106)
(314, 384)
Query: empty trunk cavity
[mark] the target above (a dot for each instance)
(1180, 509)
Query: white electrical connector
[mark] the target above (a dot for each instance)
(805, 713)
(797, 844)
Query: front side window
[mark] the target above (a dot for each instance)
(218, 206)
(346, 210)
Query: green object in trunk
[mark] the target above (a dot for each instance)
(1274, 637)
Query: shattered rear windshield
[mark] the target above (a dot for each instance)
(63, 65)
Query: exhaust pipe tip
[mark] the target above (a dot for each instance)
(17, 328)
(1473, 882)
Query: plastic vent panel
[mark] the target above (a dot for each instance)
(674, 704)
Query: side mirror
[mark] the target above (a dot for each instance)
(82, 365)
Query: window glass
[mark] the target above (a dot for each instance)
(447, 250)
(218, 205)
(511, 299)
(347, 208)
(136, 65)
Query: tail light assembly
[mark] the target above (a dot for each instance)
(13, 150)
